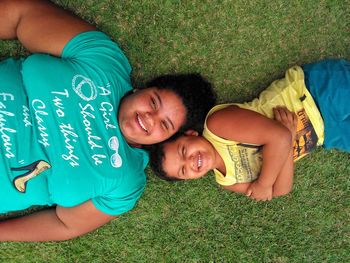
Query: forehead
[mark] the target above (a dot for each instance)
(170, 161)
(166, 94)
(171, 105)
(170, 149)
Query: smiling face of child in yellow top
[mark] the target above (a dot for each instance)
(189, 157)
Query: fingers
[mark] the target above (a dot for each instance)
(286, 117)
(295, 119)
(277, 114)
(249, 192)
(280, 113)
(283, 114)
(259, 198)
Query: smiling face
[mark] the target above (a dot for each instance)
(189, 157)
(150, 116)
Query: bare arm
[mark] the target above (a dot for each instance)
(61, 223)
(282, 185)
(39, 25)
(246, 126)
(284, 181)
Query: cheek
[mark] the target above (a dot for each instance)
(137, 102)
(160, 131)
(161, 135)
(142, 103)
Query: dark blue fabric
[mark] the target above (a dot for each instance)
(329, 84)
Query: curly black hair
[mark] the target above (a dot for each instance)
(156, 156)
(197, 95)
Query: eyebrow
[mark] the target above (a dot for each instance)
(179, 172)
(161, 104)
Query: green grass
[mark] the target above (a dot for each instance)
(241, 46)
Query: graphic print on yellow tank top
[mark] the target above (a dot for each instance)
(306, 137)
(247, 160)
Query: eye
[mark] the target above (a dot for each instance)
(183, 170)
(165, 125)
(183, 150)
(153, 103)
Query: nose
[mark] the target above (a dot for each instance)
(189, 161)
(154, 117)
(151, 118)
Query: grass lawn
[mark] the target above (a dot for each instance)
(241, 46)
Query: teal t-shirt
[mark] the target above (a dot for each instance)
(63, 111)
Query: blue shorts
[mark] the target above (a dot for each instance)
(329, 84)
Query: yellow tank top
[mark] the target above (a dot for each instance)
(243, 161)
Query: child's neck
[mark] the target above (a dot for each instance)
(220, 164)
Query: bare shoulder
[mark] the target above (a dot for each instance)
(219, 117)
(232, 123)
(243, 125)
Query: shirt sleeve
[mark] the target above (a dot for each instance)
(123, 198)
(96, 49)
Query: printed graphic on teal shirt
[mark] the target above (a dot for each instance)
(68, 124)
(34, 169)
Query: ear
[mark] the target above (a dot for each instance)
(191, 132)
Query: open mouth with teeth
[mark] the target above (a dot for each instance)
(141, 123)
(199, 164)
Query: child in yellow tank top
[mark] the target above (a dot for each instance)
(244, 159)
(249, 151)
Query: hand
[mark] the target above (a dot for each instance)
(287, 118)
(259, 192)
